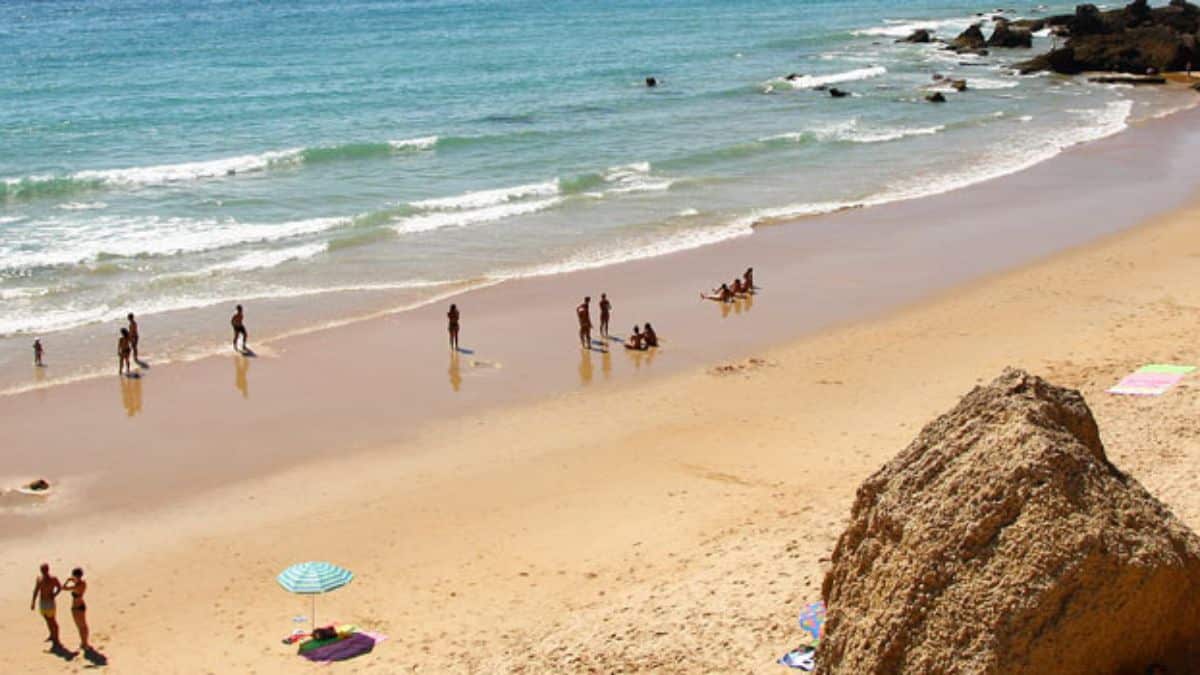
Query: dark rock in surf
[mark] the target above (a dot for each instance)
(651, 82)
(936, 97)
(1004, 35)
(970, 40)
(919, 36)
(838, 93)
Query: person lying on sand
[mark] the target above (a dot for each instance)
(722, 294)
(636, 340)
(649, 337)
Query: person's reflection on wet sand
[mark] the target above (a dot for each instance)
(455, 371)
(241, 367)
(131, 395)
(585, 366)
(606, 363)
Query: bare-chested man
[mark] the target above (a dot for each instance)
(133, 337)
(239, 328)
(584, 313)
(605, 314)
(123, 367)
(45, 589)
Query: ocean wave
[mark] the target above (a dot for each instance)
(635, 248)
(82, 206)
(261, 260)
(8, 220)
(1005, 160)
(851, 131)
(436, 220)
(122, 238)
(810, 81)
(485, 198)
(74, 316)
(58, 186)
(899, 28)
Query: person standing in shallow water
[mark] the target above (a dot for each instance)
(584, 313)
(605, 315)
(133, 337)
(45, 589)
(123, 367)
(452, 318)
(239, 328)
(37, 353)
(77, 586)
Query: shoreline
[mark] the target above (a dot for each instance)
(836, 270)
(648, 526)
(283, 318)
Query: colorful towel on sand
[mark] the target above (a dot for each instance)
(341, 650)
(812, 620)
(801, 658)
(1152, 380)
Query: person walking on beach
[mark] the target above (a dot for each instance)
(605, 314)
(239, 328)
(452, 317)
(37, 352)
(123, 367)
(77, 586)
(45, 589)
(133, 337)
(584, 313)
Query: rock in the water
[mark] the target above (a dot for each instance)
(1132, 39)
(651, 82)
(1002, 540)
(1005, 35)
(970, 40)
(838, 93)
(959, 85)
(936, 97)
(919, 35)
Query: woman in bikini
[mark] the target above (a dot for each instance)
(452, 316)
(77, 586)
(123, 350)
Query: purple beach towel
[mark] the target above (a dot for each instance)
(354, 645)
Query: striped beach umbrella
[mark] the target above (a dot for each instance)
(314, 578)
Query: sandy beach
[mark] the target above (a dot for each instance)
(529, 507)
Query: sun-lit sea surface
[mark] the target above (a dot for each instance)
(321, 160)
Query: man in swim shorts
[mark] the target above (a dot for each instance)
(605, 315)
(133, 337)
(239, 328)
(584, 313)
(45, 589)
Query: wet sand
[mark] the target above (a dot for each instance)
(564, 508)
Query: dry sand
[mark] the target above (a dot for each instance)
(673, 524)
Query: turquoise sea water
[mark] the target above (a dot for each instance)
(325, 160)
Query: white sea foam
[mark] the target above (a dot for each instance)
(899, 28)
(484, 198)
(7, 220)
(636, 248)
(67, 243)
(810, 81)
(1004, 160)
(634, 177)
(261, 260)
(422, 143)
(82, 206)
(984, 84)
(850, 131)
(688, 213)
(436, 220)
(188, 171)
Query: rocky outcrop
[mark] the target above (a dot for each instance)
(970, 41)
(1002, 540)
(918, 36)
(1006, 35)
(1137, 38)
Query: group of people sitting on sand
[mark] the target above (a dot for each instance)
(740, 288)
(643, 339)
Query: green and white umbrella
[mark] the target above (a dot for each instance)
(314, 578)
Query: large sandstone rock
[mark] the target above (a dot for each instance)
(1003, 541)
(1132, 39)
(970, 40)
(1005, 35)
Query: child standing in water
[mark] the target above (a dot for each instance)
(37, 353)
